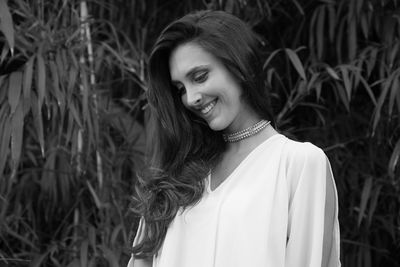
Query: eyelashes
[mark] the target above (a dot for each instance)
(195, 78)
(200, 77)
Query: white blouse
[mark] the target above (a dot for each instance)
(278, 208)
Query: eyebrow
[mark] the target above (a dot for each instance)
(192, 71)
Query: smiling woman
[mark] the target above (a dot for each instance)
(224, 188)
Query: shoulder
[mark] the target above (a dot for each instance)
(305, 168)
(303, 153)
(304, 162)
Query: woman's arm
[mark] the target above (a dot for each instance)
(313, 228)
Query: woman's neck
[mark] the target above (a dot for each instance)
(252, 141)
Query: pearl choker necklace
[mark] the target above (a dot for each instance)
(243, 134)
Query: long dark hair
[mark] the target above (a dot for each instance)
(183, 146)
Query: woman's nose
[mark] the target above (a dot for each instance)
(193, 98)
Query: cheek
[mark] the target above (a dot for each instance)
(184, 101)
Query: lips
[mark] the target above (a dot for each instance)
(206, 109)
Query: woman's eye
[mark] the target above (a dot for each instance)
(200, 77)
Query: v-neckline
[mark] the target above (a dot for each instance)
(226, 180)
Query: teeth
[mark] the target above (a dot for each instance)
(208, 108)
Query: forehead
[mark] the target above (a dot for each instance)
(186, 57)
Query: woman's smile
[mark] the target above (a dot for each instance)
(207, 109)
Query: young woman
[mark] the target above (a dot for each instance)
(226, 189)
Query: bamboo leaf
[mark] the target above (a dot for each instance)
(6, 24)
(41, 79)
(343, 96)
(364, 26)
(332, 73)
(5, 136)
(266, 64)
(368, 89)
(85, 97)
(296, 63)
(100, 55)
(91, 131)
(56, 85)
(74, 142)
(373, 203)
(14, 90)
(270, 75)
(381, 100)
(318, 88)
(23, 6)
(17, 127)
(70, 127)
(394, 158)
(346, 81)
(4, 52)
(64, 169)
(394, 89)
(352, 39)
(311, 39)
(92, 237)
(388, 30)
(299, 7)
(371, 62)
(48, 182)
(320, 32)
(314, 77)
(72, 77)
(302, 87)
(94, 195)
(84, 252)
(4, 81)
(398, 100)
(339, 40)
(332, 22)
(114, 235)
(393, 54)
(75, 114)
(38, 121)
(365, 195)
(60, 65)
(27, 83)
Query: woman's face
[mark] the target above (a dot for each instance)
(208, 89)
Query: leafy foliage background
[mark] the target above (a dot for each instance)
(73, 117)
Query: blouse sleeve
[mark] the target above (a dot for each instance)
(313, 229)
(138, 237)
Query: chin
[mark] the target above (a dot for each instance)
(217, 126)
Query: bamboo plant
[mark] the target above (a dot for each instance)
(71, 116)
(63, 161)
